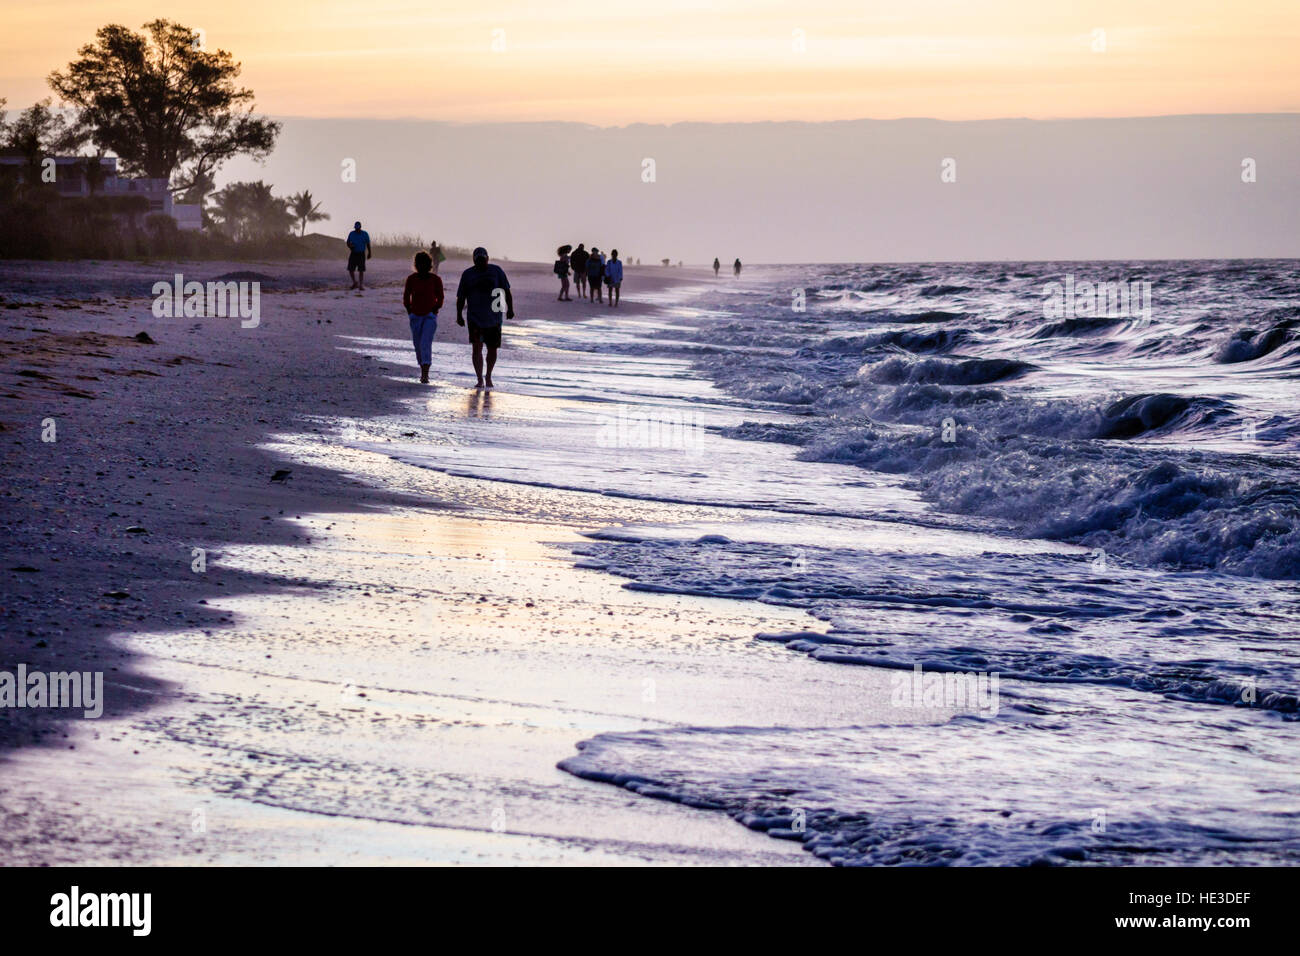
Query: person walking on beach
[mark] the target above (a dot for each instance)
(736, 268)
(614, 278)
(358, 253)
(578, 259)
(561, 269)
(422, 298)
(484, 291)
(595, 272)
(437, 255)
(716, 266)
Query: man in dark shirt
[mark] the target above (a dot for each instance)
(595, 273)
(484, 292)
(578, 260)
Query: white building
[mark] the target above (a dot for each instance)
(70, 180)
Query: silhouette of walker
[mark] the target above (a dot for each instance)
(358, 252)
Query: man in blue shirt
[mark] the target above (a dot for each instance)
(358, 253)
(484, 292)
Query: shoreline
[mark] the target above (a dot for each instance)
(118, 437)
(288, 593)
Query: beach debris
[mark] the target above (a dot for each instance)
(25, 568)
(119, 595)
(144, 339)
(408, 434)
(136, 529)
(282, 474)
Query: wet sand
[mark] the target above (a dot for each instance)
(380, 663)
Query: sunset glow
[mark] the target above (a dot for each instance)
(673, 61)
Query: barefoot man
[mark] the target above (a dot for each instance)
(485, 290)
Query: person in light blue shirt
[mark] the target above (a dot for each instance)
(358, 253)
(614, 277)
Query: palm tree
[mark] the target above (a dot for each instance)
(305, 210)
(247, 212)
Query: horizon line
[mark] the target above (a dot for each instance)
(774, 122)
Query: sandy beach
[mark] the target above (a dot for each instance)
(380, 663)
(600, 614)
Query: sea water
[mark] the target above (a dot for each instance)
(1078, 479)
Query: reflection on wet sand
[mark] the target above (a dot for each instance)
(478, 403)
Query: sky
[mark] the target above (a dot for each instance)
(802, 130)
(855, 191)
(611, 63)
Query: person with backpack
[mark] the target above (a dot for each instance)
(578, 259)
(595, 272)
(561, 269)
(614, 278)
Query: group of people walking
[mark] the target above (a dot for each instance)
(598, 278)
(483, 301)
(735, 268)
(483, 296)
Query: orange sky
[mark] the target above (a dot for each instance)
(612, 63)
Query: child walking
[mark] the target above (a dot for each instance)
(422, 298)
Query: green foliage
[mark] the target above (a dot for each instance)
(36, 133)
(39, 131)
(162, 103)
(305, 210)
(248, 212)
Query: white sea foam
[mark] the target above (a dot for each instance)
(1104, 513)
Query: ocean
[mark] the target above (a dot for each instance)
(1060, 499)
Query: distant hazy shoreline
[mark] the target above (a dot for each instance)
(1166, 187)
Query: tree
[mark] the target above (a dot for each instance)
(37, 134)
(247, 212)
(40, 131)
(166, 107)
(196, 191)
(305, 210)
(92, 170)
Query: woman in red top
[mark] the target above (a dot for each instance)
(422, 298)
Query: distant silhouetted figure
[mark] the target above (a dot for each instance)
(358, 253)
(736, 268)
(595, 272)
(437, 255)
(561, 269)
(716, 266)
(578, 260)
(614, 278)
